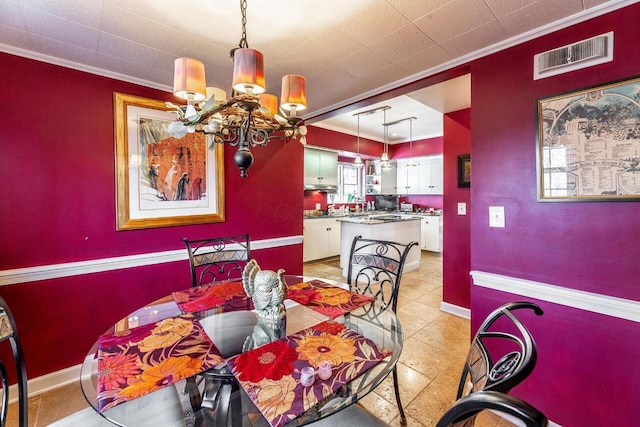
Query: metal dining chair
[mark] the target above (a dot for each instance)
(217, 259)
(502, 354)
(375, 269)
(498, 360)
(464, 411)
(9, 333)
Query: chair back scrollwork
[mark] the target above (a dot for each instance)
(217, 259)
(375, 268)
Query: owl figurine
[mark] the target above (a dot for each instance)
(267, 289)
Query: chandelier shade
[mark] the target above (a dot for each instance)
(269, 102)
(248, 71)
(188, 79)
(294, 95)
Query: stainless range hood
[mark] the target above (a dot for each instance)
(325, 188)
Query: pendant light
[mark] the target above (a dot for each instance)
(411, 163)
(358, 161)
(385, 164)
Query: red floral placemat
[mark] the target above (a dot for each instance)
(150, 357)
(230, 296)
(270, 374)
(330, 300)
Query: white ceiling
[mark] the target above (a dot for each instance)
(347, 50)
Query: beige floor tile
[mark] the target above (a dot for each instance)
(410, 381)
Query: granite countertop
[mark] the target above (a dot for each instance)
(379, 218)
(360, 215)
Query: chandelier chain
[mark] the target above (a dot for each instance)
(243, 40)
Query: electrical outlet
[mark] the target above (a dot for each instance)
(496, 216)
(462, 208)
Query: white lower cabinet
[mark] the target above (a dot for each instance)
(431, 233)
(321, 238)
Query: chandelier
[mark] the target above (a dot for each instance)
(250, 117)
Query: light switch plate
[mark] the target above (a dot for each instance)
(462, 208)
(496, 216)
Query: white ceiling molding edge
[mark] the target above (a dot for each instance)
(81, 67)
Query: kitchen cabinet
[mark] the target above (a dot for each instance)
(431, 175)
(321, 238)
(320, 167)
(431, 233)
(424, 178)
(379, 181)
(372, 180)
(389, 180)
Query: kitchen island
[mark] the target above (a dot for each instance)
(396, 228)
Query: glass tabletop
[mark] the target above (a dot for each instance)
(236, 332)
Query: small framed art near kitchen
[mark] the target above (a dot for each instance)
(588, 145)
(464, 171)
(163, 181)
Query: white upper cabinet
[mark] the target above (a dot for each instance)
(378, 180)
(424, 178)
(320, 167)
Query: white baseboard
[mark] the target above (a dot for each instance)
(455, 310)
(48, 382)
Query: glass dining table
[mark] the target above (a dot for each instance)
(273, 394)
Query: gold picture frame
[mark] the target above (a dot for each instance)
(162, 181)
(588, 143)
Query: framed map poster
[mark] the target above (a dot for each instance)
(588, 146)
(163, 181)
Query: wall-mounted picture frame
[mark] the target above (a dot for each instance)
(464, 171)
(588, 144)
(163, 181)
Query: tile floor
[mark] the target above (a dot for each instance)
(434, 350)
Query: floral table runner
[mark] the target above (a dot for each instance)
(330, 300)
(230, 296)
(270, 374)
(149, 357)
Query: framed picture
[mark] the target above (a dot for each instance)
(464, 171)
(163, 181)
(588, 145)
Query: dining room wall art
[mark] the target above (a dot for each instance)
(163, 181)
(589, 144)
(464, 171)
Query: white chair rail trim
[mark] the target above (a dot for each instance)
(55, 271)
(596, 303)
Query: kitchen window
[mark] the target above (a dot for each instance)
(350, 183)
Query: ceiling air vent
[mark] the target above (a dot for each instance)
(586, 53)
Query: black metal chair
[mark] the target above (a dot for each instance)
(463, 413)
(375, 269)
(214, 260)
(498, 360)
(217, 259)
(9, 332)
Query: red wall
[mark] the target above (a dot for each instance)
(456, 258)
(585, 375)
(58, 205)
